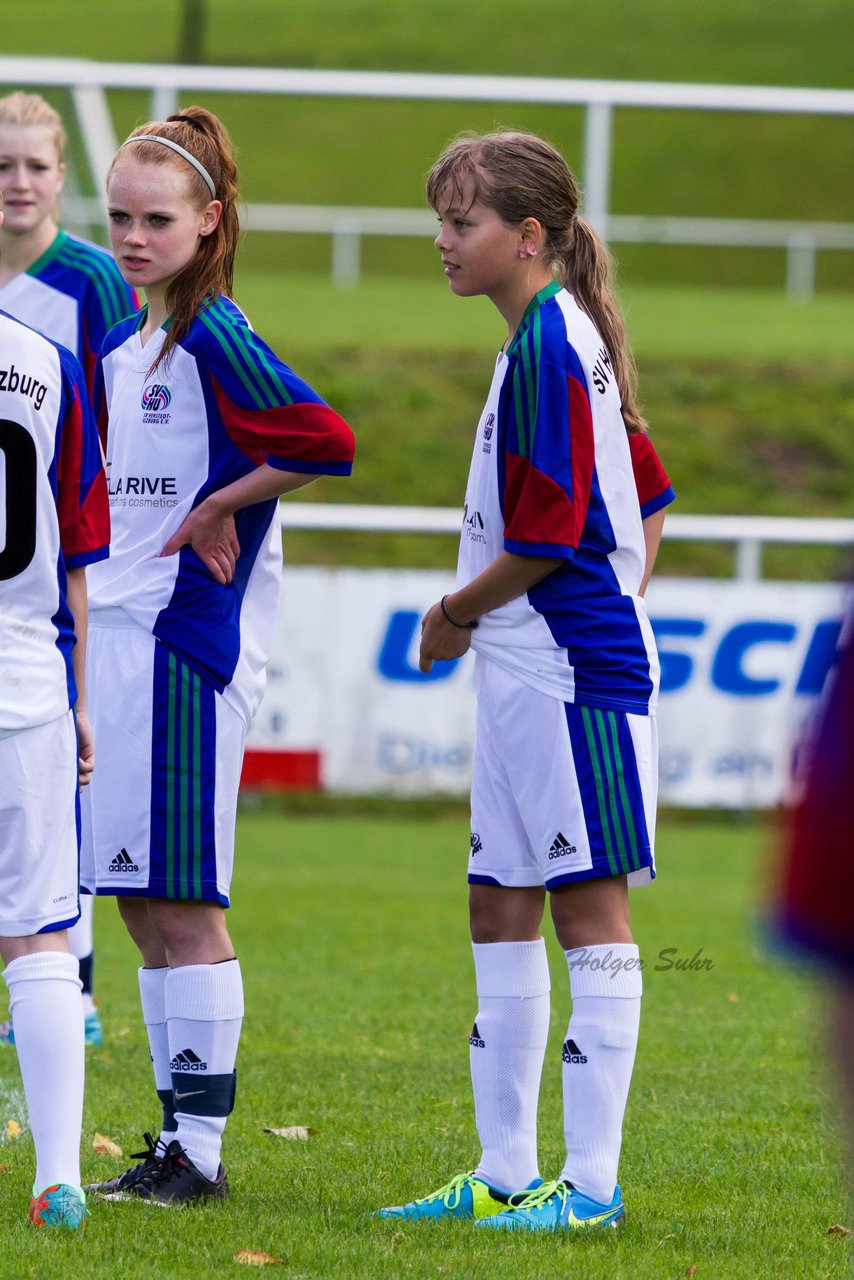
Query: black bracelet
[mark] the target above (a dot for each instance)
(457, 622)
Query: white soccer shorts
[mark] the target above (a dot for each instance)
(39, 829)
(159, 814)
(559, 792)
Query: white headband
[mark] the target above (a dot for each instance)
(173, 146)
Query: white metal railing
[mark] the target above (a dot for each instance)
(748, 534)
(88, 81)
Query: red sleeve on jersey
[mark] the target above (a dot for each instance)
(299, 437)
(82, 503)
(538, 510)
(99, 404)
(651, 479)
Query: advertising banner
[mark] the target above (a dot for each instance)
(741, 667)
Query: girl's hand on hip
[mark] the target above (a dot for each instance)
(213, 537)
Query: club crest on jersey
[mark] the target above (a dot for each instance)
(156, 399)
(488, 428)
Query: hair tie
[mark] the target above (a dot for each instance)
(184, 120)
(173, 146)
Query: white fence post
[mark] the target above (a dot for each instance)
(99, 138)
(597, 165)
(346, 251)
(800, 266)
(164, 101)
(748, 560)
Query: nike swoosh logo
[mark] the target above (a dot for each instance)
(594, 1221)
(191, 1093)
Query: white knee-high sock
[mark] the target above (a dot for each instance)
(204, 1014)
(508, 1043)
(598, 1056)
(81, 945)
(47, 1015)
(152, 995)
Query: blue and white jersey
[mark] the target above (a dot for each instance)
(53, 516)
(73, 294)
(221, 404)
(552, 475)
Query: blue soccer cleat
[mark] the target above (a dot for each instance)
(59, 1206)
(557, 1206)
(465, 1196)
(93, 1033)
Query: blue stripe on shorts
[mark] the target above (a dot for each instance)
(611, 795)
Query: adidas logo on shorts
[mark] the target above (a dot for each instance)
(123, 862)
(560, 847)
(186, 1060)
(475, 1039)
(572, 1053)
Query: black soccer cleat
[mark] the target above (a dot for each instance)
(173, 1180)
(150, 1157)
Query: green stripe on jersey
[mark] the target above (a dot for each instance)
(249, 362)
(102, 272)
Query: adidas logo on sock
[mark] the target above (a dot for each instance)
(475, 1039)
(572, 1053)
(123, 862)
(187, 1061)
(560, 847)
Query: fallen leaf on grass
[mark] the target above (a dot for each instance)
(838, 1230)
(689, 1271)
(255, 1258)
(300, 1131)
(106, 1147)
(733, 997)
(4, 1168)
(13, 1129)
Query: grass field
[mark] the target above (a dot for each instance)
(351, 931)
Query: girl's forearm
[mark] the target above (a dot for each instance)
(506, 578)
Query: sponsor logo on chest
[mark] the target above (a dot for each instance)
(155, 401)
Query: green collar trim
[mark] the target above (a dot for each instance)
(548, 291)
(50, 252)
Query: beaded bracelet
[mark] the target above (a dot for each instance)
(457, 622)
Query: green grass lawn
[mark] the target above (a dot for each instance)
(297, 312)
(351, 930)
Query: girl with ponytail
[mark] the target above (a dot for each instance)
(552, 565)
(204, 428)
